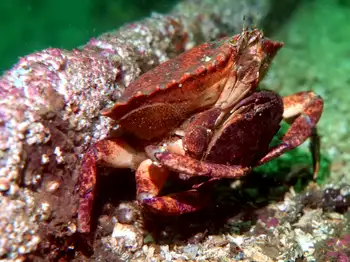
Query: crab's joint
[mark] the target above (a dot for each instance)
(152, 151)
(308, 120)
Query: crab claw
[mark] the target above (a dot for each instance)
(178, 203)
(152, 151)
(150, 179)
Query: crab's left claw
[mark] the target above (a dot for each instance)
(150, 179)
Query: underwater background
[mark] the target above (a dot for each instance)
(33, 25)
(306, 220)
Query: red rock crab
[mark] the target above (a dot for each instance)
(241, 141)
(218, 79)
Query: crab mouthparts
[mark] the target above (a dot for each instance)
(233, 92)
(246, 74)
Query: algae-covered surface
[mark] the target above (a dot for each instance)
(275, 214)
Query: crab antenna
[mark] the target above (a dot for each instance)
(244, 25)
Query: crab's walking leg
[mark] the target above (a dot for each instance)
(183, 202)
(110, 152)
(193, 167)
(315, 147)
(304, 109)
(150, 179)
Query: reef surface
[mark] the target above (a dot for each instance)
(49, 113)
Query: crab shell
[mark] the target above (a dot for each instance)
(213, 74)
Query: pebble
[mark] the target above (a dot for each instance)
(52, 186)
(4, 184)
(132, 237)
(126, 214)
(191, 251)
(45, 211)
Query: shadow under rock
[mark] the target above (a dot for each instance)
(240, 206)
(231, 210)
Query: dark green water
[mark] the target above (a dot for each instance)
(30, 25)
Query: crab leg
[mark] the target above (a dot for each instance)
(150, 179)
(303, 109)
(110, 152)
(193, 167)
